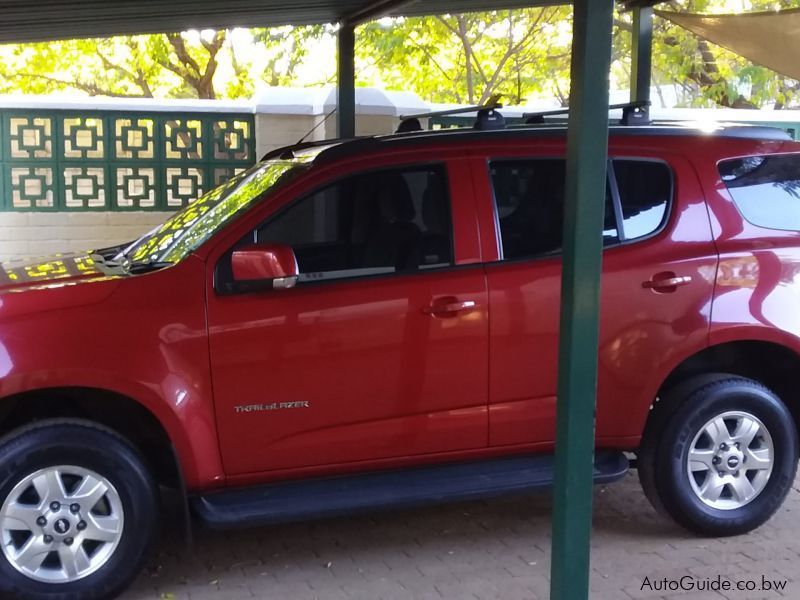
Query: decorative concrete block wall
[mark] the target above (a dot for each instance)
(96, 173)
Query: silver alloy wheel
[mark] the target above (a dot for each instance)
(61, 524)
(730, 460)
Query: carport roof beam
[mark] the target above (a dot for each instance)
(45, 20)
(375, 10)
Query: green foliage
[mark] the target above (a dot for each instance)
(708, 75)
(286, 48)
(183, 65)
(520, 54)
(467, 58)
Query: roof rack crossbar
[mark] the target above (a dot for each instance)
(492, 103)
(565, 111)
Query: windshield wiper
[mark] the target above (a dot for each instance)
(144, 267)
(131, 266)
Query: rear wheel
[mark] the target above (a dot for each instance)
(77, 512)
(725, 459)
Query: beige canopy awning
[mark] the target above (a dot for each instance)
(770, 39)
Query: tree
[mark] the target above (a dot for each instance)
(461, 58)
(712, 76)
(179, 65)
(468, 57)
(286, 48)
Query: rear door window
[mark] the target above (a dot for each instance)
(765, 189)
(529, 203)
(645, 191)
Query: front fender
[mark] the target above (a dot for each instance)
(146, 339)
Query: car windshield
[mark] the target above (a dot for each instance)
(187, 229)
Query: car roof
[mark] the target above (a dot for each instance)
(327, 150)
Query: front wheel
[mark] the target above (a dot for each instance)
(78, 511)
(727, 457)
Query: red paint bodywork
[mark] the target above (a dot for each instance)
(389, 379)
(263, 261)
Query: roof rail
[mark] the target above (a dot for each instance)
(287, 152)
(633, 113)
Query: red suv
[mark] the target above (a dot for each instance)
(373, 323)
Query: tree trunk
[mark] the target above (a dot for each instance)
(462, 33)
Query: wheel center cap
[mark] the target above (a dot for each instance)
(733, 462)
(61, 526)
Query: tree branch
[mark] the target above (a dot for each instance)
(90, 88)
(179, 47)
(432, 58)
(138, 78)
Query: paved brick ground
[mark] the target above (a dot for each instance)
(494, 549)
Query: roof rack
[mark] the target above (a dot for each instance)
(633, 113)
(488, 117)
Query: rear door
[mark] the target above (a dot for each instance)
(658, 270)
(381, 350)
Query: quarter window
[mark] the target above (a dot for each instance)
(765, 189)
(381, 222)
(645, 191)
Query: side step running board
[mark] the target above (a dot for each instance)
(319, 498)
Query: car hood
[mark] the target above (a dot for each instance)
(58, 269)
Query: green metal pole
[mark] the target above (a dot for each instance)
(346, 93)
(587, 152)
(641, 53)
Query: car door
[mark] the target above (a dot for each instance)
(656, 233)
(380, 352)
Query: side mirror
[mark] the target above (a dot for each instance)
(273, 264)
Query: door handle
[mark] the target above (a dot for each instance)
(450, 306)
(666, 282)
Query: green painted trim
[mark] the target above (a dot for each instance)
(641, 53)
(60, 137)
(587, 152)
(346, 87)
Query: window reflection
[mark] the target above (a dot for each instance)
(765, 189)
(379, 222)
(189, 228)
(645, 190)
(529, 201)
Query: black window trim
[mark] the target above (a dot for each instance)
(498, 236)
(665, 220)
(223, 285)
(615, 199)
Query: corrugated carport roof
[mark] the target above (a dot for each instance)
(27, 20)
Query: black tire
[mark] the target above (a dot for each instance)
(663, 411)
(49, 444)
(666, 472)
